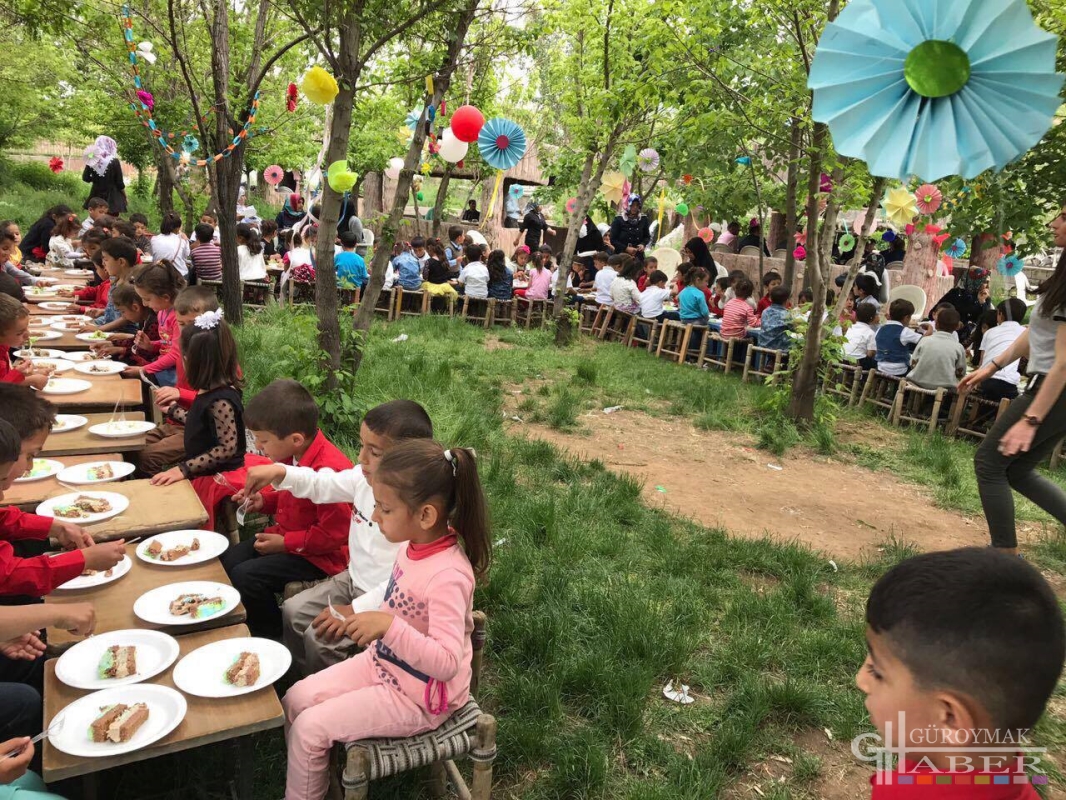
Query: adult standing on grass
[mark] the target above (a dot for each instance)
(104, 171)
(1034, 423)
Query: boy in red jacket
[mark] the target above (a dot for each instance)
(965, 647)
(308, 542)
(15, 333)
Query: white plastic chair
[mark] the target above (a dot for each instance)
(749, 251)
(915, 294)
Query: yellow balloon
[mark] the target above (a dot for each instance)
(319, 86)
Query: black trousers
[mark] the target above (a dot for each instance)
(260, 579)
(995, 389)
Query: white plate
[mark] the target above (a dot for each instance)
(66, 386)
(71, 318)
(99, 367)
(92, 336)
(212, 545)
(78, 666)
(122, 430)
(79, 356)
(79, 473)
(119, 503)
(65, 423)
(166, 710)
(92, 581)
(154, 606)
(45, 336)
(41, 292)
(48, 469)
(78, 273)
(202, 672)
(70, 287)
(38, 321)
(57, 364)
(44, 351)
(54, 306)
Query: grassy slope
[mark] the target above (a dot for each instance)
(594, 600)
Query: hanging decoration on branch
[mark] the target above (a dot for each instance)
(825, 185)
(918, 87)
(319, 86)
(502, 143)
(467, 123)
(929, 199)
(144, 52)
(648, 159)
(707, 234)
(846, 243)
(145, 104)
(958, 248)
(682, 208)
(452, 150)
(571, 205)
(55, 163)
(888, 236)
(190, 144)
(627, 163)
(340, 178)
(394, 168)
(900, 206)
(292, 94)
(413, 116)
(800, 253)
(1010, 266)
(611, 185)
(744, 161)
(273, 174)
(517, 190)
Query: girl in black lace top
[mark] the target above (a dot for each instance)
(214, 423)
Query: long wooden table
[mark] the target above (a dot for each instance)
(152, 510)
(82, 442)
(106, 392)
(207, 721)
(29, 494)
(114, 601)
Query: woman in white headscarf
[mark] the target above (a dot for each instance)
(104, 171)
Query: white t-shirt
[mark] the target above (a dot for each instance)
(299, 256)
(861, 339)
(996, 341)
(174, 247)
(651, 301)
(475, 277)
(390, 278)
(370, 554)
(604, 278)
(624, 292)
(86, 224)
(253, 268)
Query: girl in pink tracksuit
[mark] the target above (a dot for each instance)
(415, 671)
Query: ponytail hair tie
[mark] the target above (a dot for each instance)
(451, 459)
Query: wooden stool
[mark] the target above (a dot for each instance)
(716, 352)
(589, 312)
(348, 297)
(1056, 455)
(674, 339)
(411, 303)
(256, 293)
(598, 321)
(531, 312)
(301, 292)
(880, 391)
(618, 326)
(645, 333)
(843, 380)
(442, 303)
(386, 304)
(739, 358)
(973, 415)
(765, 363)
(467, 733)
(911, 402)
(503, 312)
(477, 310)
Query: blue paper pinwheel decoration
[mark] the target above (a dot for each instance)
(957, 249)
(1010, 266)
(921, 87)
(413, 116)
(502, 143)
(744, 161)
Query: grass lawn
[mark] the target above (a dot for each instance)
(594, 600)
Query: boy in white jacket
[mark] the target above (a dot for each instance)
(310, 631)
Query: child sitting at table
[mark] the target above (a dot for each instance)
(501, 279)
(119, 256)
(994, 343)
(692, 303)
(860, 346)
(541, 278)
(654, 295)
(718, 301)
(651, 264)
(439, 279)
(141, 235)
(770, 281)
(625, 296)
(416, 669)
(474, 277)
(945, 682)
(206, 258)
(158, 286)
(866, 291)
(61, 247)
(308, 541)
(738, 314)
(939, 361)
(15, 333)
(774, 322)
(214, 423)
(605, 277)
(895, 339)
(251, 264)
(408, 269)
(350, 266)
(314, 637)
(133, 310)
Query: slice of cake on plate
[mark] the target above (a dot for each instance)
(245, 670)
(118, 723)
(118, 661)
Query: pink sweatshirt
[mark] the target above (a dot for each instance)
(169, 340)
(426, 652)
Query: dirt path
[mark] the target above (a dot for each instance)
(720, 480)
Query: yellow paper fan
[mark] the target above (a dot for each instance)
(319, 86)
(612, 186)
(900, 206)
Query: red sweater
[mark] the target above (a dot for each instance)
(39, 575)
(8, 374)
(319, 533)
(764, 303)
(94, 296)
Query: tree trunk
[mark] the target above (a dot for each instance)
(387, 237)
(165, 180)
(373, 196)
(805, 378)
(856, 259)
(792, 190)
(227, 186)
(442, 196)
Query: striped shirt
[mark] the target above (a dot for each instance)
(736, 318)
(207, 262)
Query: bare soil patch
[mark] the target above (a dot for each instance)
(721, 480)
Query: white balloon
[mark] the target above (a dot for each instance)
(393, 170)
(447, 134)
(452, 150)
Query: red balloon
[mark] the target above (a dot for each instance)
(466, 124)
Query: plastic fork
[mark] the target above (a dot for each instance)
(55, 727)
(242, 511)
